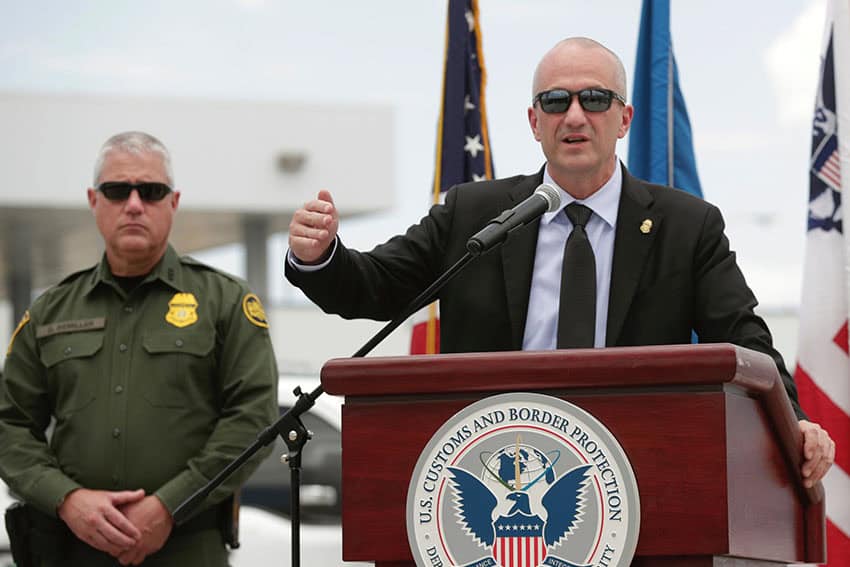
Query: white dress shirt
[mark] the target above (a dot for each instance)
(541, 325)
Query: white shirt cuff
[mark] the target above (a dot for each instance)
(301, 267)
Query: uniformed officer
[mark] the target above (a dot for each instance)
(156, 372)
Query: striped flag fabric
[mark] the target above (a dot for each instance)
(823, 366)
(661, 148)
(463, 144)
(520, 551)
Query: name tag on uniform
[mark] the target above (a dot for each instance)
(74, 326)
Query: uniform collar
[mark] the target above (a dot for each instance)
(168, 270)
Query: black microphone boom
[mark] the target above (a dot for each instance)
(544, 199)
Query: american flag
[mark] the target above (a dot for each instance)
(823, 364)
(463, 145)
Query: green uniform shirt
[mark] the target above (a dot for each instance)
(159, 389)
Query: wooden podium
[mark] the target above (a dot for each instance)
(708, 429)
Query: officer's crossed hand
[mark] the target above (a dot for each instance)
(155, 523)
(95, 518)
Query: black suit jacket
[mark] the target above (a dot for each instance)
(679, 276)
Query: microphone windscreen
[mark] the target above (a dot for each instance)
(552, 196)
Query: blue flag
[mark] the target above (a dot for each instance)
(660, 146)
(463, 145)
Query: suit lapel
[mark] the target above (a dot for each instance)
(633, 240)
(518, 262)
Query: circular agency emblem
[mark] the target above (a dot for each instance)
(254, 311)
(523, 480)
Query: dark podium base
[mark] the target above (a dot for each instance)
(708, 430)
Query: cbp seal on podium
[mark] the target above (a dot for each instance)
(523, 480)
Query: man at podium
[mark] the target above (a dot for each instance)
(621, 263)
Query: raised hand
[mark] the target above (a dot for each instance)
(313, 229)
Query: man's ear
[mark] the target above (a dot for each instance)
(532, 121)
(92, 197)
(628, 114)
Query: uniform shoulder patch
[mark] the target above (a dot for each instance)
(24, 320)
(254, 312)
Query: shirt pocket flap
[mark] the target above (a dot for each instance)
(67, 346)
(197, 344)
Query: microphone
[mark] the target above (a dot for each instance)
(544, 199)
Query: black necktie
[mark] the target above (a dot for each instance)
(577, 311)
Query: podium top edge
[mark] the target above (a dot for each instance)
(687, 365)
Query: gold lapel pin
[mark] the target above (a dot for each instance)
(646, 226)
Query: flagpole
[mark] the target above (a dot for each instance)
(841, 58)
(462, 150)
(660, 141)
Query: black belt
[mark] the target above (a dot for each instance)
(206, 520)
(55, 529)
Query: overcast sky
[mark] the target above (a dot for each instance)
(748, 71)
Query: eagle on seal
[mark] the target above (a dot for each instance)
(475, 504)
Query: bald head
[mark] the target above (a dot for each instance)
(576, 48)
(580, 143)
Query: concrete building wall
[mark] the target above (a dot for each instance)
(228, 155)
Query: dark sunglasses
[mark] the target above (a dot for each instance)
(120, 190)
(591, 100)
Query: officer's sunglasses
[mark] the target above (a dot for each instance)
(120, 190)
(591, 100)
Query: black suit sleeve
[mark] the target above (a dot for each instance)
(724, 304)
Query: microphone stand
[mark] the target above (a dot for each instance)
(290, 428)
